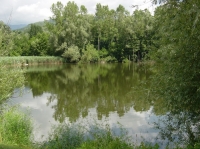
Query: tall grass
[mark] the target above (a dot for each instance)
(78, 136)
(30, 60)
(15, 127)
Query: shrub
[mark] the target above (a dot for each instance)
(15, 127)
(9, 80)
(65, 136)
(77, 136)
(90, 54)
(103, 53)
(126, 60)
(72, 54)
(109, 59)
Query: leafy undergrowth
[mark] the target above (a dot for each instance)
(86, 137)
(15, 127)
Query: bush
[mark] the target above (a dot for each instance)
(109, 59)
(65, 136)
(103, 53)
(9, 80)
(90, 54)
(77, 136)
(72, 54)
(126, 60)
(15, 127)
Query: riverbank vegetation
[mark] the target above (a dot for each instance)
(30, 60)
(177, 26)
(16, 127)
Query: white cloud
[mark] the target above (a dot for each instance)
(27, 8)
(45, 12)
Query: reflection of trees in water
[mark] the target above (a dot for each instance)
(108, 88)
(181, 127)
(181, 103)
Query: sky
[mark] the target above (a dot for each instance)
(15, 12)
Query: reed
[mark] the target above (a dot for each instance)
(30, 60)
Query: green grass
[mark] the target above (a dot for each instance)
(15, 127)
(30, 60)
(3, 146)
(79, 137)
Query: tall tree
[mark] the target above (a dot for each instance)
(70, 26)
(39, 45)
(6, 39)
(9, 79)
(178, 24)
(143, 29)
(34, 30)
(123, 25)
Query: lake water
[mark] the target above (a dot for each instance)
(103, 93)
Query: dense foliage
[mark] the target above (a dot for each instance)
(15, 127)
(89, 136)
(117, 35)
(9, 79)
(177, 24)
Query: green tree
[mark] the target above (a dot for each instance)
(70, 26)
(9, 79)
(72, 54)
(178, 27)
(84, 28)
(39, 45)
(104, 30)
(21, 45)
(121, 25)
(6, 39)
(179, 54)
(90, 54)
(34, 30)
(143, 33)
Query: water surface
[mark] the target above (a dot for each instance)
(110, 93)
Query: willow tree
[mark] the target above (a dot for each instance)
(178, 27)
(6, 39)
(9, 79)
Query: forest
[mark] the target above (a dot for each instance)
(109, 35)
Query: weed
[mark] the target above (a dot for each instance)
(15, 127)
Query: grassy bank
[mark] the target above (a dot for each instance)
(30, 60)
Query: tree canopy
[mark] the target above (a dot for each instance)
(9, 79)
(116, 33)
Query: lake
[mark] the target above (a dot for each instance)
(102, 93)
